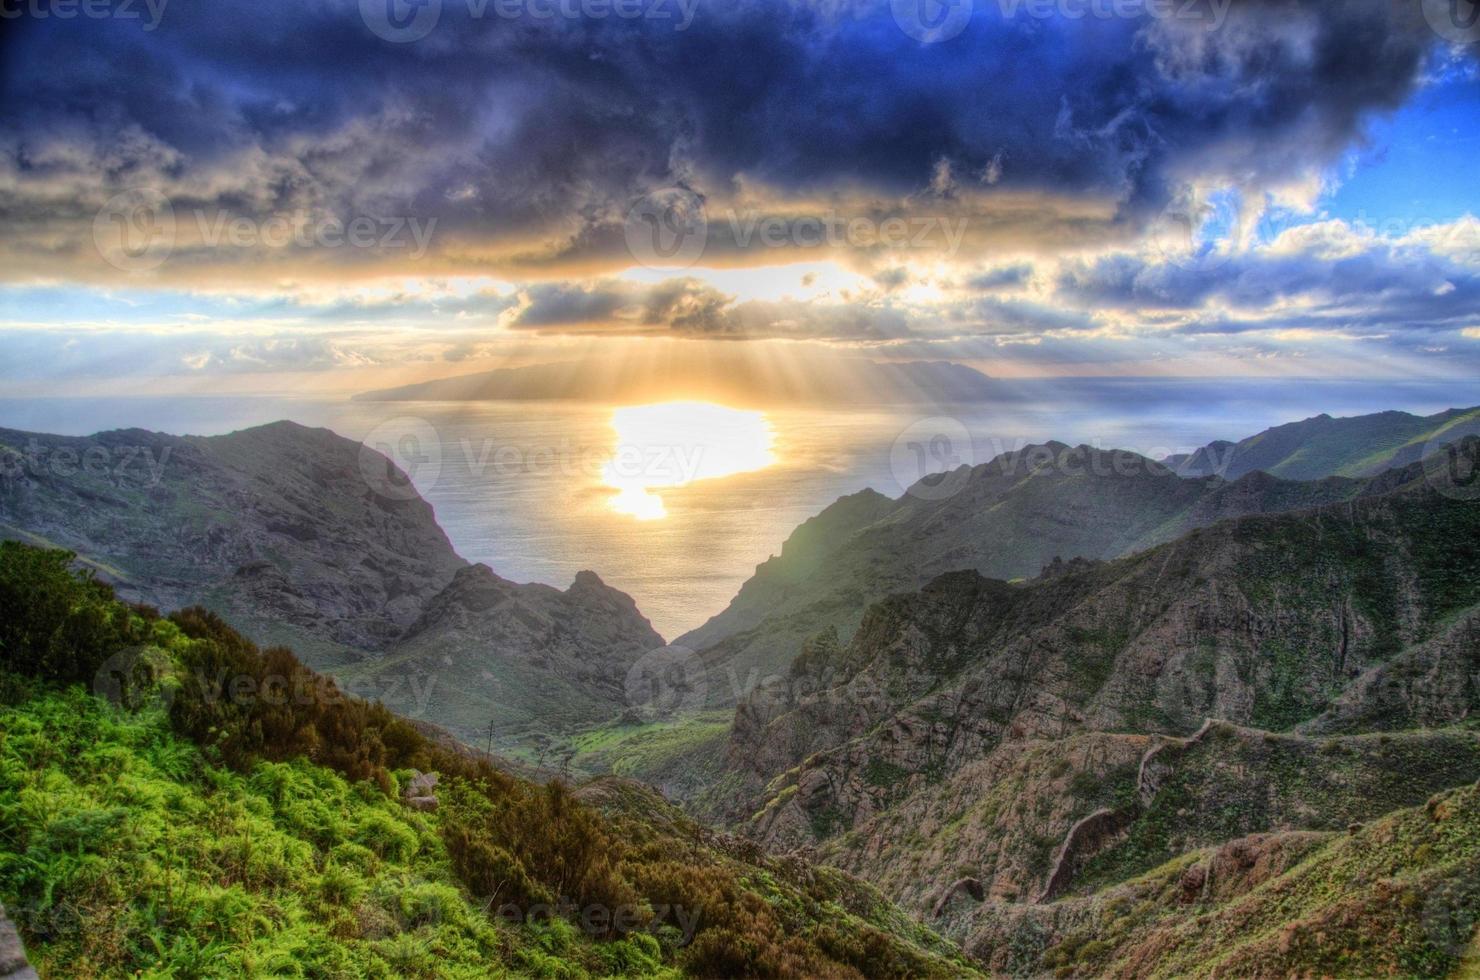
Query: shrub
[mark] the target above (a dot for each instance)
(55, 624)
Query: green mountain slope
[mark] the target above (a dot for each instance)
(323, 544)
(1324, 446)
(228, 812)
(981, 746)
(1007, 519)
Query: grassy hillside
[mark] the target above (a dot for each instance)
(234, 814)
(1324, 446)
(1397, 897)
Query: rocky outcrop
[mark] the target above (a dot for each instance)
(13, 963)
(492, 658)
(421, 791)
(969, 887)
(1086, 839)
(1160, 760)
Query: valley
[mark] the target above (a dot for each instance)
(1079, 682)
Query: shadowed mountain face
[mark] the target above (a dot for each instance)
(489, 657)
(298, 533)
(1326, 446)
(1006, 519)
(980, 747)
(310, 539)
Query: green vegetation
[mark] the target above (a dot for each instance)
(1237, 783)
(235, 814)
(126, 850)
(1399, 897)
(686, 751)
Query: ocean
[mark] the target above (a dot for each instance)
(528, 489)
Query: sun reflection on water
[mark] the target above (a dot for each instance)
(676, 444)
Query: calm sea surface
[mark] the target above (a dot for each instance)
(527, 489)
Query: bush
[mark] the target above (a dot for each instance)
(154, 854)
(56, 624)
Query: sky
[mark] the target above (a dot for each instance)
(339, 195)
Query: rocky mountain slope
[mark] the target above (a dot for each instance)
(1006, 519)
(315, 541)
(979, 745)
(488, 657)
(1399, 896)
(300, 534)
(1324, 446)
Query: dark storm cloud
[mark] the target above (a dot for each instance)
(1010, 277)
(563, 305)
(690, 308)
(528, 139)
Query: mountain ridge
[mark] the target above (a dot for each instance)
(969, 729)
(1321, 446)
(315, 541)
(1008, 518)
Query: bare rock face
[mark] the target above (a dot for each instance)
(1086, 838)
(421, 792)
(1430, 686)
(13, 963)
(489, 657)
(967, 887)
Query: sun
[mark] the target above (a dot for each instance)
(675, 444)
